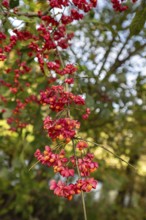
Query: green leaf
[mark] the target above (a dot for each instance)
(138, 22)
(14, 3)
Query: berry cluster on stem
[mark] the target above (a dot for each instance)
(52, 37)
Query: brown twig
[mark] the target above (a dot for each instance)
(26, 14)
(103, 147)
(82, 193)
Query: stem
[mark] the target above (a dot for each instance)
(34, 165)
(82, 193)
(29, 15)
(103, 147)
(84, 206)
(66, 85)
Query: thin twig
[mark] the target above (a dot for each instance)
(103, 147)
(27, 14)
(82, 193)
(34, 165)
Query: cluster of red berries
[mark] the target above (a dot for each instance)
(18, 85)
(61, 188)
(86, 115)
(57, 98)
(62, 129)
(60, 165)
(43, 47)
(50, 35)
(57, 161)
(118, 6)
(5, 3)
(86, 164)
(80, 4)
(15, 121)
